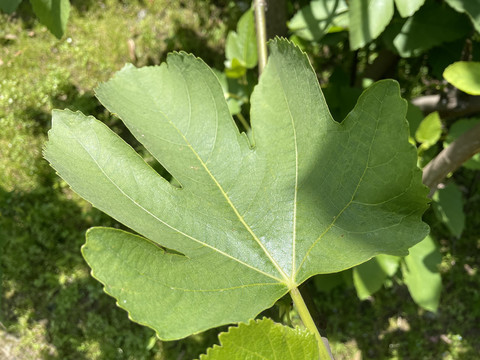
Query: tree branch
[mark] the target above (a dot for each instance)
(451, 158)
(449, 107)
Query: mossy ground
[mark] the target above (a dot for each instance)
(52, 309)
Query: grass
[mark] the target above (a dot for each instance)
(51, 307)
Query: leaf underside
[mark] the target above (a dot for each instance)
(250, 222)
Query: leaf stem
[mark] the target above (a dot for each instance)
(243, 121)
(309, 323)
(260, 24)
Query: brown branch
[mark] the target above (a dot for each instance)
(451, 158)
(449, 107)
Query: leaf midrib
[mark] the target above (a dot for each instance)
(165, 223)
(218, 185)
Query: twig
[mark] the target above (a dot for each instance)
(449, 107)
(243, 121)
(451, 158)
(261, 28)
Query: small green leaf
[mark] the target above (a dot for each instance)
(235, 69)
(407, 8)
(315, 20)
(421, 275)
(368, 19)
(247, 222)
(264, 340)
(470, 7)
(369, 277)
(53, 14)
(458, 128)
(9, 6)
(464, 75)
(430, 26)
(242, 44)
(429, 130)
(448, 207)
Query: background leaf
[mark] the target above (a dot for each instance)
(315, 20)
(464, 75)
(471, 8)
(368, 19)
(264, 340)
(53, 14)
(313, 196)
(408, 7)
(421, 275)
(242, 44)
(436, 22)
(369, 277)
(429, 130)
(448, 207)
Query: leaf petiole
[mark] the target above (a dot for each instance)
(243, 121)
(309, 323)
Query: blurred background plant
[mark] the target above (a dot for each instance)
(423, 306)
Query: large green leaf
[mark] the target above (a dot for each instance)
(421, 275)
(248, 223)
(315, 20)
(464, 75)
(264, 340)
(53, 14)
(433, 24)
(242, 44)
(470, 7)
(367, 19)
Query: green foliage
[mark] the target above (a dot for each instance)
(436, 22)
(408, 7)
(53, 14)
(369, 277)
(314, 21)
(448, 206)
(263, 339)
(429, 131)
(241, 47)
(471, 8)
(223, 223)
(421, 274)
(367, 19)
(464, 75)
